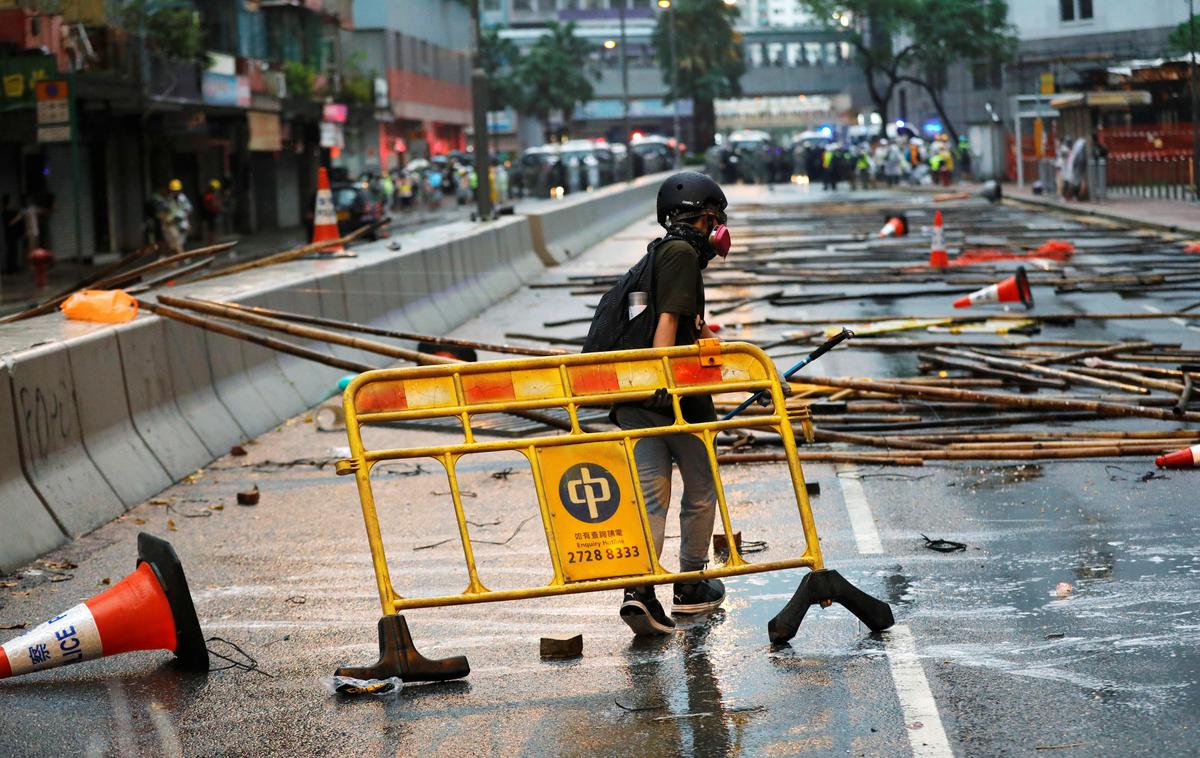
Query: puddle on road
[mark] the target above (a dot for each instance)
(998, 477)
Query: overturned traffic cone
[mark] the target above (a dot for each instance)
(896, 226)
(324, 215)
(937, 244)
(1189, 457)
(151, 609)
(1014, 289)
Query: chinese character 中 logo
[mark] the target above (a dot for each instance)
(589, 492)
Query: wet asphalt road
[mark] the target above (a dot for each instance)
(1011, 667)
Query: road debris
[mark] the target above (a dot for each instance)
(248, 497)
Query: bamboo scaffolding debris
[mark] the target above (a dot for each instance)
(323, 335)
(291, 255)
(989, 398)
(1069, 376)
(303, 318)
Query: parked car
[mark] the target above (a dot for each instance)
(541, 170)
(652, 154)
(582, 165)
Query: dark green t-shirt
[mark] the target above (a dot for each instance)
(679, 289)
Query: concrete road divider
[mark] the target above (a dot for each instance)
(151, 396)
(313, 381)
(116, 448)
(562, 229)
(195, 393)
(29, 528)
(262, 370)
(52, 452)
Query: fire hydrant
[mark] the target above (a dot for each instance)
(40, 260)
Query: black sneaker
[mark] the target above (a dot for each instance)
(644, 614)
(698, 597)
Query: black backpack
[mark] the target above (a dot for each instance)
(611, 328)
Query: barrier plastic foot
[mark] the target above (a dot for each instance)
(399, 657)
(826, 586)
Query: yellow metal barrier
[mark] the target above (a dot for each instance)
(590, 500)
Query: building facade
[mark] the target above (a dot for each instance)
(788, 56)
(420, 54)
(1065, 46)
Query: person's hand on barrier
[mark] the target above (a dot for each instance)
(787, 388)
(660, 400)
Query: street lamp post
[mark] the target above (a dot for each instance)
(479, 96)
(1195, 106)
(666, 5)
(625, 94)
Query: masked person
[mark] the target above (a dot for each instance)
(691, 207)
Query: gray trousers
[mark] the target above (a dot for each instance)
(698, 506)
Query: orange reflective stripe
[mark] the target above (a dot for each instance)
(586, 380)
(689, 371)
(381, 396)
(482, 388)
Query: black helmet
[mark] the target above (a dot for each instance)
(688, 194)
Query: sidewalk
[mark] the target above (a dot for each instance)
(1171, 215)
(18, 292)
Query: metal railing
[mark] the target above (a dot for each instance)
(1157, 175)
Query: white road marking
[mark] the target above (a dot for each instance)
(922, 722)
(168, 735)
(1179, 321)
(862, 523)
(921, 719)
(122, 717)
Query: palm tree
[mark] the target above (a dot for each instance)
(556, 74)
(709, 64)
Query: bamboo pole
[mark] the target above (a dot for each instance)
(1089, 406)
(290, 255)
(1076, 355)
(821, 457)
(907, 457)
(1053, 435)
(990, 316)
(303, 318)
(246, 335)
(166, 278)
(297, 330)
(1069, 376)
(371, 346)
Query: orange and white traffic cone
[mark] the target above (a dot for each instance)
(896, 226)
(1014, 289)
(937, 244)
(325, 215)
(1189, 457)
(151, 609)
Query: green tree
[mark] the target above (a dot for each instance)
(1181, 39)
(873, 29)
(358, 84)
(556, 74)
(709, 64)
(172, 28)
(947, 33)
(501, 60)
(917, 41)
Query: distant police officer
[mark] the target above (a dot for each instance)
(691, 207)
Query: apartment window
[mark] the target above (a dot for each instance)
(986, 75)
(1073, 10)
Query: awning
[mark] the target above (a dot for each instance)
(1112, 99)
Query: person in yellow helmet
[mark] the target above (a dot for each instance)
(176, 217)
(211, 208)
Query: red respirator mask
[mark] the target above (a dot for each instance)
(720, 240)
